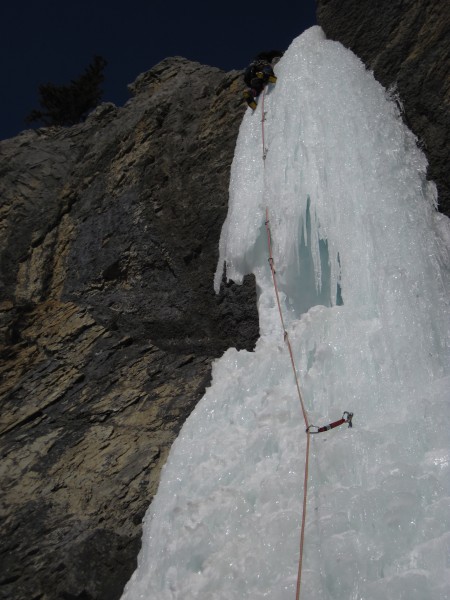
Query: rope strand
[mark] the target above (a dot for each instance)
(302, 530)
(263, 118)
(302, 405)
(291, 354)
(310, 429)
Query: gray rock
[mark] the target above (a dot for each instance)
(108, 320)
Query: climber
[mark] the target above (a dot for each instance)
(259, 73)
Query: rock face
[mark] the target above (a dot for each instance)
(406, 44)
(108, 321)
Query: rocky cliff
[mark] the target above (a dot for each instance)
(407, 45)
(108, 320)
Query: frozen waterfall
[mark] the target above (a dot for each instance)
(362, 260)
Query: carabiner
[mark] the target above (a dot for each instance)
(349, 418)
(308, 429)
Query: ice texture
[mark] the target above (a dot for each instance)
(362, 260)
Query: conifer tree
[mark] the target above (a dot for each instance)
(70, 104)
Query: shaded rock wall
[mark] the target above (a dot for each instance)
(407, 44)
(108, 321)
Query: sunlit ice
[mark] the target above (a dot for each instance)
(362, 263)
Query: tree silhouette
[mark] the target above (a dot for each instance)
(70, 104)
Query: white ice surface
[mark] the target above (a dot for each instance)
(362, 260)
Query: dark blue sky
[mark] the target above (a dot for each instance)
(54, 40)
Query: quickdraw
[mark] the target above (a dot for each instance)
(346, 418)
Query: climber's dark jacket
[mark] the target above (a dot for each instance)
(259, 71)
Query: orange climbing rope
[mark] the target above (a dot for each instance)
(310, 429)
(263, 118)
(285, 333)
(302, 404)
(291, 354)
